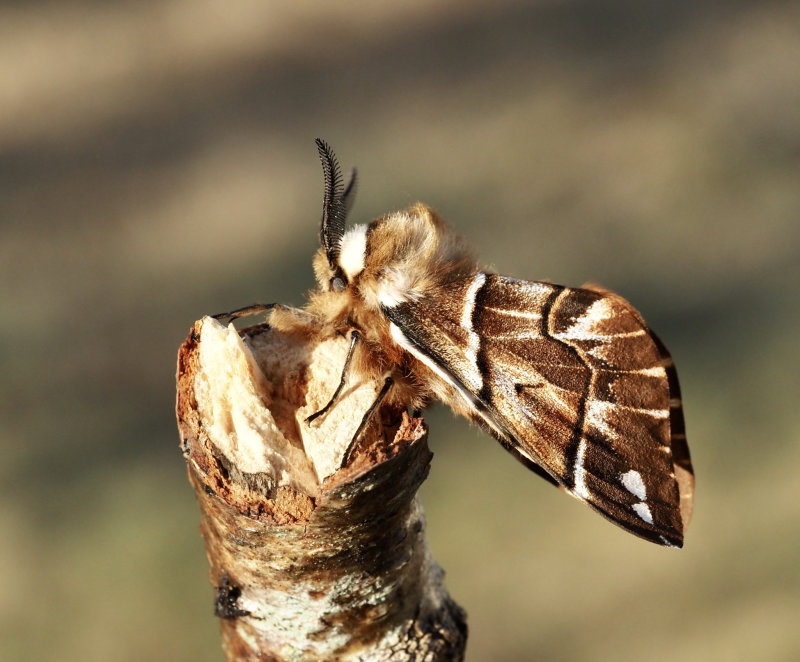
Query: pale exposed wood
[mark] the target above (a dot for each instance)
(308, 563)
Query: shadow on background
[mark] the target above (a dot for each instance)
(157, 163)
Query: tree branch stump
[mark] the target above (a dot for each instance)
(308, 562)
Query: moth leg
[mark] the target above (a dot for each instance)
(252, 309)
(348, 454)
(354, 335)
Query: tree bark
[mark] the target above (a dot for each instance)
(309, 561)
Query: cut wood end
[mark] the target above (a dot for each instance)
(242, 403)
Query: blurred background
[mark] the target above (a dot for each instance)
(157, 163)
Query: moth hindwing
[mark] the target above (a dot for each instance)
(571, 381)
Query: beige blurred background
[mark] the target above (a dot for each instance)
(157, 163)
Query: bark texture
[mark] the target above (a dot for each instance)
(308, 562)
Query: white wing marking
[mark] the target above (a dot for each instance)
(473, 339)
(579, 476)
(632, 481)
(643, 511)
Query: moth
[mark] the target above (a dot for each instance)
(571, 381)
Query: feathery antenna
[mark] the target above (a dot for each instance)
(336, 202)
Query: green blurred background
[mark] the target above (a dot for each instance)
(157, 163)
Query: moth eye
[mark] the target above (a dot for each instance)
(337, 284)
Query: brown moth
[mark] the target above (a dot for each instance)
(571, 381)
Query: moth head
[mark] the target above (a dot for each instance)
(397, 258)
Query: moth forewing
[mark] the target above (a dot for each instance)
(570, 379)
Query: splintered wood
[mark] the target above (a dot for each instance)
(309, 561)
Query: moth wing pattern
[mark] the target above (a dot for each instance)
(570, 379)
